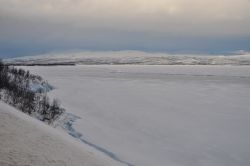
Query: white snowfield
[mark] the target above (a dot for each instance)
(157, 115)
(25, 141)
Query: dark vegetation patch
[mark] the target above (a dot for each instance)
(28, 93)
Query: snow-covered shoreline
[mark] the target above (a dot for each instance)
(25, 141)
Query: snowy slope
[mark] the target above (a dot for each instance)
(158, 115)
(131, 57)
(27, 142)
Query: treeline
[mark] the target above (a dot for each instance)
(16, 90)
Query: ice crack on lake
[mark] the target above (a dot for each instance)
(67, 124)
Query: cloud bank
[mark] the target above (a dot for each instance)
(118, 24)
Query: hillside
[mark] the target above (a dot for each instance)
(25, 141)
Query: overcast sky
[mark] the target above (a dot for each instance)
(37, 26)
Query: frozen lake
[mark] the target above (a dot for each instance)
(159, 115)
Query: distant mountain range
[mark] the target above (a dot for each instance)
(129, 57)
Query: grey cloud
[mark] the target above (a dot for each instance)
(119, 24)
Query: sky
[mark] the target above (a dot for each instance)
(29, 27)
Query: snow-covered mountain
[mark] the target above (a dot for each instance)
(130, 57)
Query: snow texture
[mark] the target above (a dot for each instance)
(25, 141)
(158, 115)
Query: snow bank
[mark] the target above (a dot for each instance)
(27, 142)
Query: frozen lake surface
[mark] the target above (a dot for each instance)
(158, 115)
